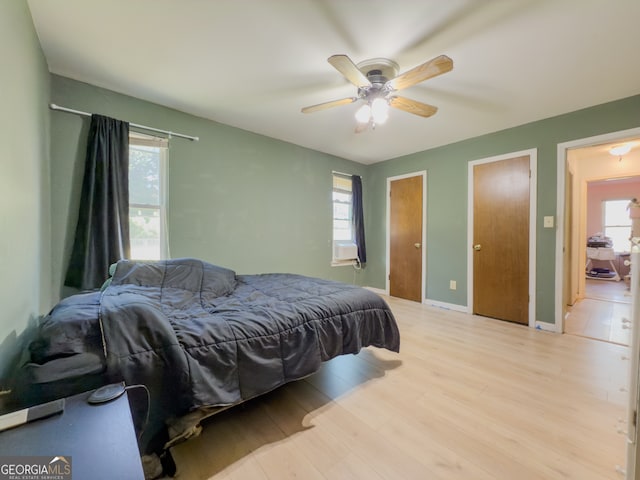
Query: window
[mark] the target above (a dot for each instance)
(617, 224)
(342, 208)
(147, 216)
(344, 250)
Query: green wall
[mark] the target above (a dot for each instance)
(446, 214)
(24, 188)
(237, 199)
(256, 204)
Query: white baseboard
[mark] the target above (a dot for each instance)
(446, 306)
(379, 291)
(546, 327)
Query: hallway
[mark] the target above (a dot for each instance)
(601, 314)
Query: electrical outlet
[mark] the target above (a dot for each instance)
(452, 284)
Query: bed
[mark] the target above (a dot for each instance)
(200, 337)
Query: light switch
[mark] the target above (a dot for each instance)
(548, 222)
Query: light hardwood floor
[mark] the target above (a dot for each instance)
(467, 398)
(602, 313)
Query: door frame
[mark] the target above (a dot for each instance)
(533, 167)
(560, 204)
(423, 174)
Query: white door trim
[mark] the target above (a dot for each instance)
(560, 202)
(423, 174)
(533, 167)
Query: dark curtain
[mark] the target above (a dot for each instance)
(358, 217)
(102, 232)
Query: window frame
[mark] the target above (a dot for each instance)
(336, 175)
(140, 139)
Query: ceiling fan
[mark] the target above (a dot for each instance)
(377, 81)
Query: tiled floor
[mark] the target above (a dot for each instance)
(602, 314)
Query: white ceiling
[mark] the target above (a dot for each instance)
(596, 165)
(253, 64)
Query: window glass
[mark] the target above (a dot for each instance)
(147, 225)
(144, 175)
(617, 224)
(342, 208)
(343, 229)
(144, 233)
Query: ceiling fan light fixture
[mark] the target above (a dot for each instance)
(379, 110)
(363, 114)
(377, 80)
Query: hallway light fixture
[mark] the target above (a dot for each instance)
(620, 150)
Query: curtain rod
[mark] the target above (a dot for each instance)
(345, 174)
(53, 106)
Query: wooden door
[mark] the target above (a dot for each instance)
(501, 239)
(405, 239)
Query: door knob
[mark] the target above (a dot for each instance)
(477, 247)
(417, 245)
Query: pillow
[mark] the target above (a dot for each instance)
(181, 273)
(198, 276)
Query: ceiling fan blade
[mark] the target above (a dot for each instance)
(346, 67)
(325, 105)
(432, 68)
(412, 106)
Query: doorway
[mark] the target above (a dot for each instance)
(571, 202)
(406, 236)
(602, 313)
(595, 291)
(501, 258)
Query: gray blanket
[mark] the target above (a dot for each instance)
(198, 335)
(213, 338)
